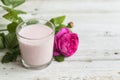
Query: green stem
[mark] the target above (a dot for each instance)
(3, 30)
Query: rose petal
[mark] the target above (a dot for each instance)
(62, 32)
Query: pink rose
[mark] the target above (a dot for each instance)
(66, 43)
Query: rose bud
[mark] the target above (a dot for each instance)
(70, 25)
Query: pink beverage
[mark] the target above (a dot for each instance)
(36, 45)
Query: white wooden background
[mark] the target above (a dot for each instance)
(97, 23)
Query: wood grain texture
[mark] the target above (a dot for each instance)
(97, 23)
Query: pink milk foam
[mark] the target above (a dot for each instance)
(38, 48)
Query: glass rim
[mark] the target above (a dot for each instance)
(17, 30)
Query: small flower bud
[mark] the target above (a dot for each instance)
(70, 25)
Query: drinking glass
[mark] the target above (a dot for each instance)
(36, 49)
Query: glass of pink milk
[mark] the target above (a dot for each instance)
(36, 41)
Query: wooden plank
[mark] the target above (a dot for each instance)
(66, 70)
(71, 6)
(80, 0)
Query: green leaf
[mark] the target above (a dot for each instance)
(59, 58)
(11, 56)
(19, 12)
(13, 3)
(57, 28)
(1, 43)
(16, 3)
(6, 8)
(32, 21)
(13, 10)
(12, 27)
(2, 39)
(11, 41)
(53, 21)
(11, 16)
(19, 20)
(57, 20)
(49, 24)
(6, 2)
